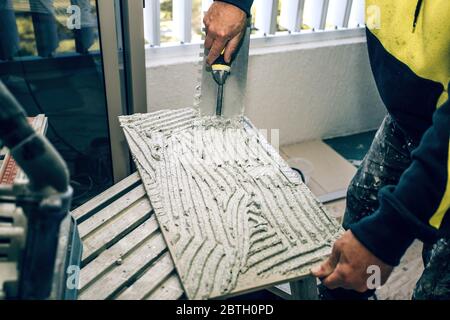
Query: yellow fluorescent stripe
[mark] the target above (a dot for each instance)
(221, 67)
(426, 51)
(438, 217)
(443, 99)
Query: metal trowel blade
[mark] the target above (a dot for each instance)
(235, 87)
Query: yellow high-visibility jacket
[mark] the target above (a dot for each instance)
(409, 49)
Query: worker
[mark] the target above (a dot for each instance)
(401, 191)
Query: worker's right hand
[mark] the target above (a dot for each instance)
(225, 27)
(348, 265)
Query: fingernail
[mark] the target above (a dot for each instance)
(315, 269)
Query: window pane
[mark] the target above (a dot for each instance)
(167, 27)
(53, 66)
(197, 20)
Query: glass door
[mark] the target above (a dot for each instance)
(51, 59)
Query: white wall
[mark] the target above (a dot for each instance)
(308, 91)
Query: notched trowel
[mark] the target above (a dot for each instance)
(223, 86)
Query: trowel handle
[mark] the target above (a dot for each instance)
(220, 64)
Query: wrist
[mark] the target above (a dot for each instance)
(245, 5)
(384, 235)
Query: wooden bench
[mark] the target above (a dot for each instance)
(124, 253)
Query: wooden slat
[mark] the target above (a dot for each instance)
(83, 212)
(132, 265)
(9, 272)
(171, 289)
(111, 232)
(151, 280)
(110, 211)
(108, 258)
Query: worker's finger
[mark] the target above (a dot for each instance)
(324, 270)
(335, 280)
(231, 47)
(216, 50)
(327, 268)
(209, 40)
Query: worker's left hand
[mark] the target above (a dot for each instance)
(347, 267)
(225, 27)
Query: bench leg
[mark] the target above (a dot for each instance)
(305, 289)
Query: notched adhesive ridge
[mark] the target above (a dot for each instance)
(234, 215)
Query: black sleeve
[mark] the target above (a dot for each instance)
(417, 207)
(245, 5)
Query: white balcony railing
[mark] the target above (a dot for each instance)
(270, 17)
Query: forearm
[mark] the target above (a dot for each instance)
(245, 5)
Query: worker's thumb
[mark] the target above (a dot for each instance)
(321, 271)
(326, 268)
(231, 47)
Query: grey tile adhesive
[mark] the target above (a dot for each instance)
(234, 215)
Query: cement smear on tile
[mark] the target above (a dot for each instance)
(234, 215)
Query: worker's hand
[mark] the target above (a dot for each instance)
(348, 266)
(225, 26)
